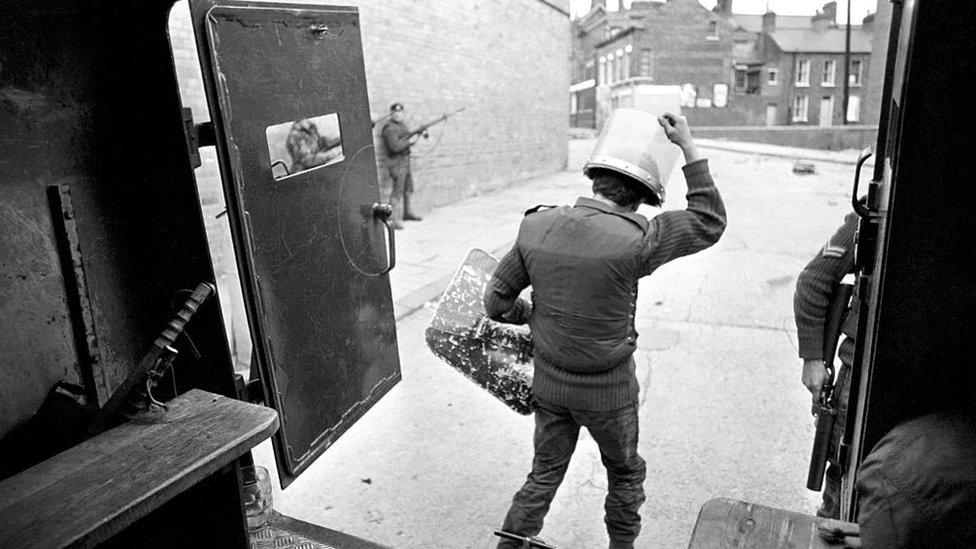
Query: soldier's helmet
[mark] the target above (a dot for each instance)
(632, 143)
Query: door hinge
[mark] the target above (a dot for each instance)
(197, 135)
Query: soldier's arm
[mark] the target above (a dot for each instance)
(675, 234)
(815, 284)
(501, 299)
(395, 141)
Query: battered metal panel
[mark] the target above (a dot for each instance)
(89, 103)
(496, 356)
(311, 252)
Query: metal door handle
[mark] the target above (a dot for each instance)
(861, 209)
(383, 213)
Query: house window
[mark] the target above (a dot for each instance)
(602, 75)
(646, 63)
(855, 77)
(618, 66)
(626, 64)
(740, 78)
(853, 108)
(800, 105)
(829, 68)
(772, 77)
(752, 81)
(573, 104)
(689, 95)
(803, 73)
(712, 35)
(720, 95)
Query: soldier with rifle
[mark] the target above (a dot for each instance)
(398, 139)
(821, 307)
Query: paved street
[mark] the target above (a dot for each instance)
(723, 413)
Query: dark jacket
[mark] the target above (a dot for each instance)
(917, 487)
(584, 263)
(396, 139)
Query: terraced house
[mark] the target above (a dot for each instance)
(730, 69)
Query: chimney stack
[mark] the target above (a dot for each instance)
(769, 21)
(830, 10)
(868, 22)
(821, 22)
(723, 6)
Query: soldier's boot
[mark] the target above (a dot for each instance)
(408, 213)
(397, 218)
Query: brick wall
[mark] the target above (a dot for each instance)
(782, 93)
(506, 61)
(742, 110)
(208, 182)
(836, 138)
(879, 52)
(684, 50)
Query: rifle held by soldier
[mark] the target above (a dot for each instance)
(422, 129)
(826, 407)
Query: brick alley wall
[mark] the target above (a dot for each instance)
(506, 61)
(879, 56)
(834, 138)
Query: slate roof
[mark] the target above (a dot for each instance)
(828, 41)
(753, 23)
(746, 54)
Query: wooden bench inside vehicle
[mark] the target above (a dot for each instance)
(85, 495)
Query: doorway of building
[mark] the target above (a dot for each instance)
(827, 111)
(771, 114)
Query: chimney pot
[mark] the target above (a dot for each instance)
(769, 21)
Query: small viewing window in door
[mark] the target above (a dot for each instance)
(298, 146)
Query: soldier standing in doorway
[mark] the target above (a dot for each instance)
(398, 140)
(815, 288)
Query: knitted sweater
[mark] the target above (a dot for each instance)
(814, 289)
(584, 263)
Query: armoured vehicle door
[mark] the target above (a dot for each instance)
(915, 343)
(287, 90)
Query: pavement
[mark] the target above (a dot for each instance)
(722, 411)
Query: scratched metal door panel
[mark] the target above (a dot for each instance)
(312, 255)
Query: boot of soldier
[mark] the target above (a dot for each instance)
(408, 213)
(397, 218)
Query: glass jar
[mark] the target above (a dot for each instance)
(257, 497)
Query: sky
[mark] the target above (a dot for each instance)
(859, 8)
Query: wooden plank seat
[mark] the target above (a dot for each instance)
(88, 493)
(725, 522)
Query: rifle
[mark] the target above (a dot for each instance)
(422, 129)
(826, 407)
(380, 119)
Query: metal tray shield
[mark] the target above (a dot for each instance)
(495, 356)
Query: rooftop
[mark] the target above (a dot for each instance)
(828, 41)
(753, 23)
(746, 54)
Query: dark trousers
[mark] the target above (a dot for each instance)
(402, 187)
(556, 431)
